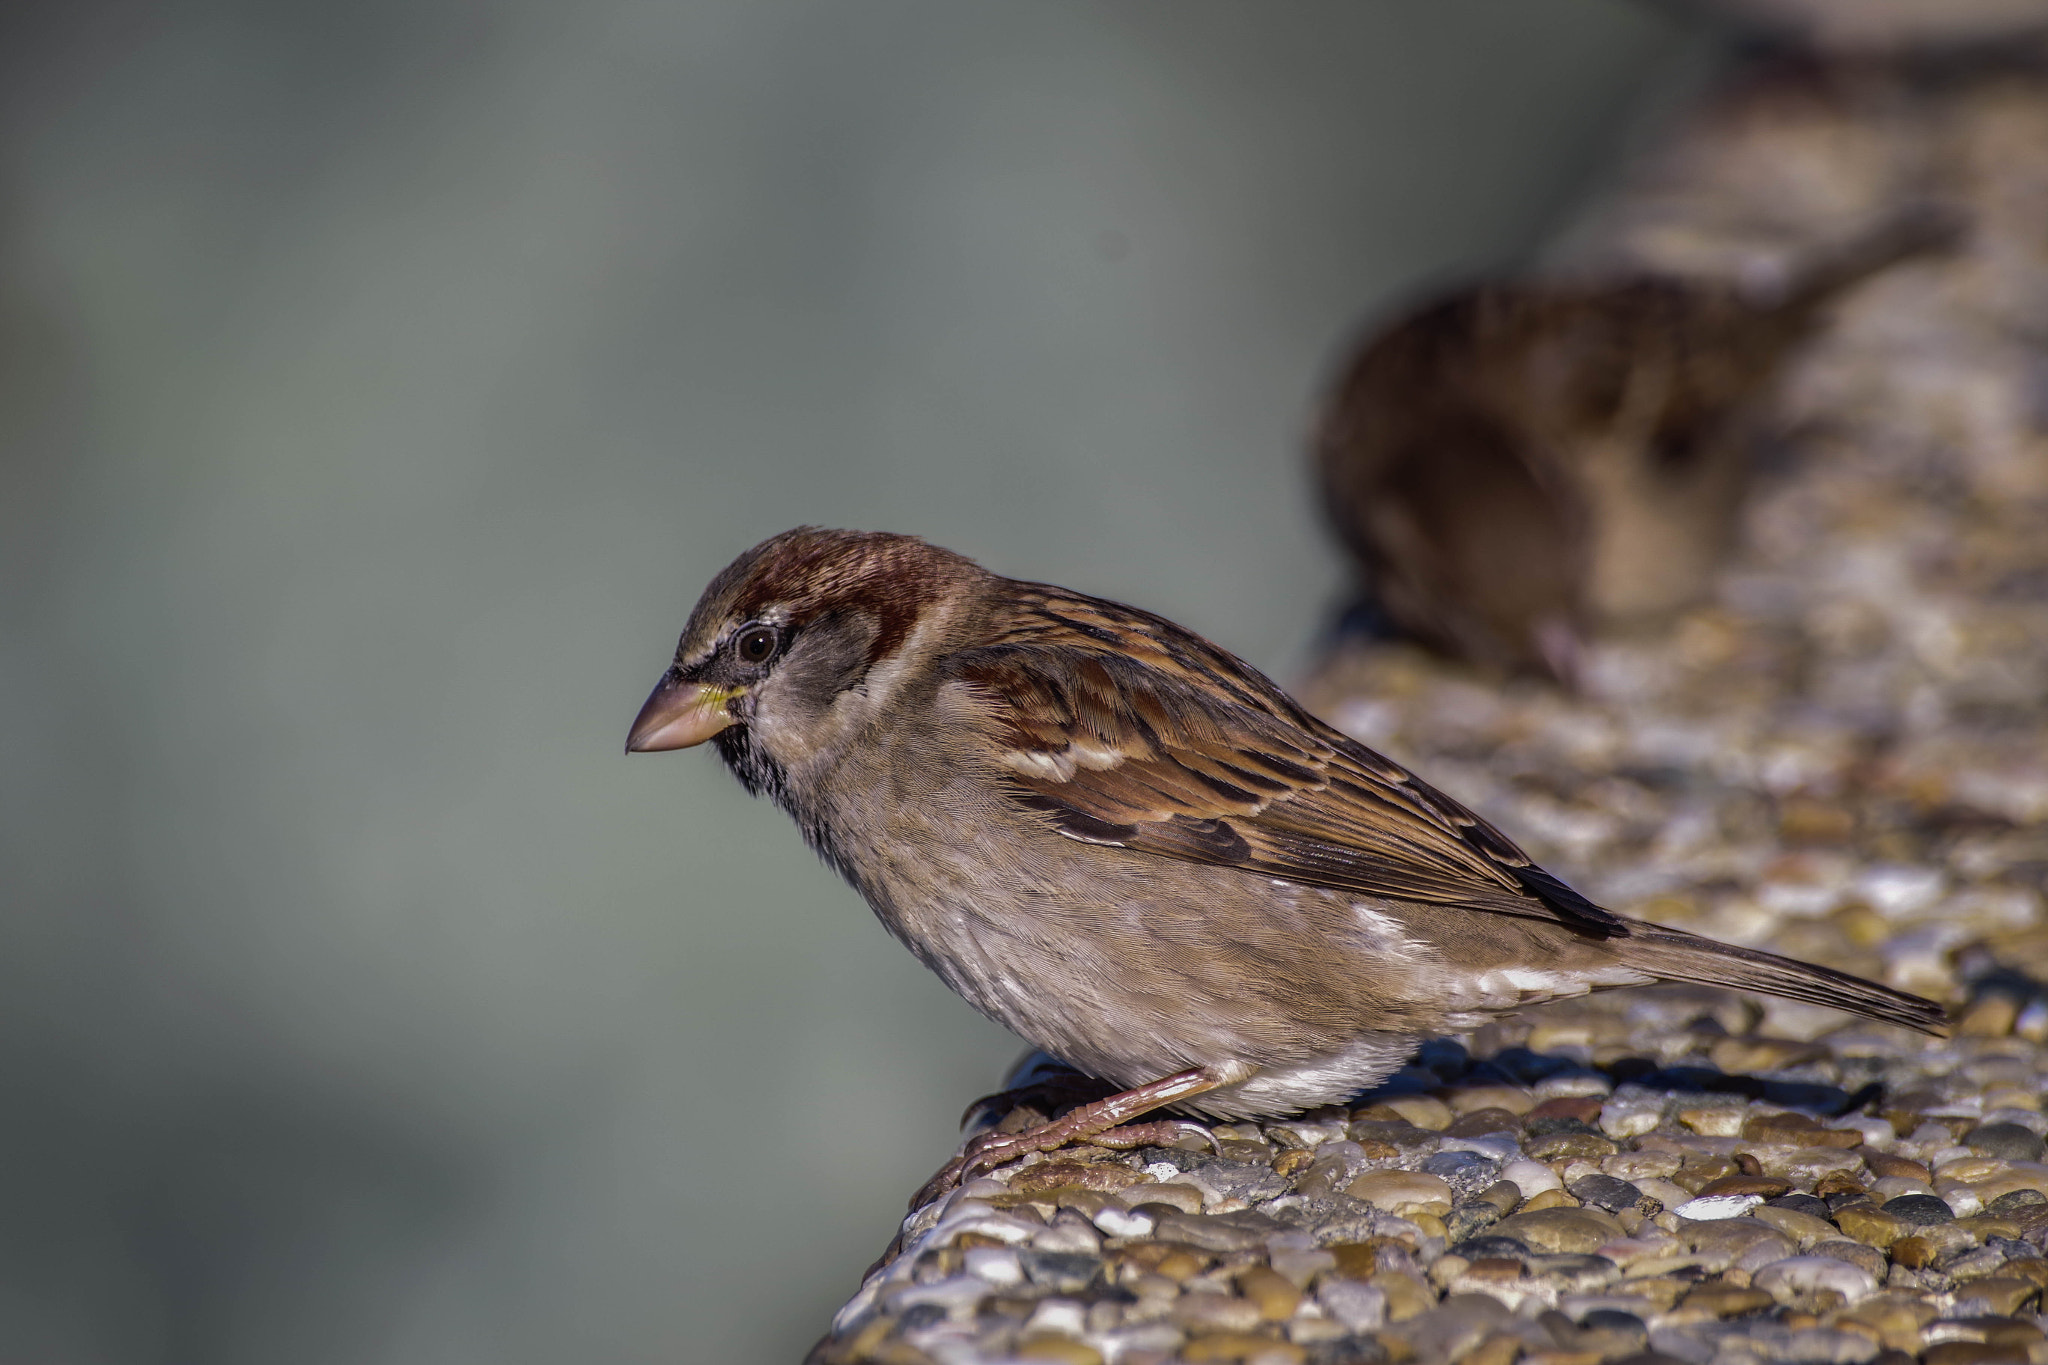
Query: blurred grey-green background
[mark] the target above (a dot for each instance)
(378, 385)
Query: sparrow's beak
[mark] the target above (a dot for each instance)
(679, 714)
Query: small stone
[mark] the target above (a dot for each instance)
(1357, 1260)
(1103, 1176)
(1719, 1121)
(1804, 1275)
(1739, 1243)
(1872, 1227)
(1069, 1232)
(1405, 1295)
(1398, 1191)
(1581, 1109)
(1302, 1267)
(1464, 1172)
(1998, 1294)
(1502, 1348)
(1796, 1130)
(1970, 1170)
(1060, 1271)
(1825, 1346)
(1215, 1313)
(1240, 1231)
(1481, 1122)
(1728, 1301)
(1665, 1194)
(2006, 1141)
(1474, 1098)
(1855, 1253)
(1838, 1182)
(1360, 1307)
(1715, 1207)
(1762, 1186)
(1276, 1296)
(1219, 1178)
(2032, 1269)
(1468, 1219)
(1117, 1221)
(1575, 1083)
(1501, 1195)
(2016, 1201)
(1631, 1115)
(1803, 1228)
(1531, 1178)
(997, 1265)
(1576, 1231)
(1065, 1350)
(1549, 1199)
(1971, 1353)
(1801, 1203)
(1174, 1194)
(1571, 1146)
(1915, 1253)
(1169, 1260)
(1452, 1329)
(1237, 1345)
(1882, 1164)
(1605, 1192)
(1640, 1165)
(1740, 1056)
(1919, 1210)
(1989, 1016)
(1429, 1114)
(1292, 1160)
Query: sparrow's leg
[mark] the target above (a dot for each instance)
(1092, 1122)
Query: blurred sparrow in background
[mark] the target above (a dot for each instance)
(1522, 463)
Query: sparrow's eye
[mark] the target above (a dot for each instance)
(756, 643)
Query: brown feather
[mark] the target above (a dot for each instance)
(1122, 729)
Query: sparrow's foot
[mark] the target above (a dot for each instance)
(1092, 1122)
(1164, 1133)
(1045, 1097)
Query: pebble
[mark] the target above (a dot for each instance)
(1855, 1253)
(1793, 1276)
(2006, 1141)
(1718, 1121)
(1531, 1177)
(1605, 1192)
(1422, 1111)
(1399, 1191)
(1919, 1210)
(1713, 1207)
(1803, 1228)
(1360, 1307)
(1740, 1243)
(1575, 1231)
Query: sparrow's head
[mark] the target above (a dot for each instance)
(784, 653)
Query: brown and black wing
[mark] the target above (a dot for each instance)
(1129, 731)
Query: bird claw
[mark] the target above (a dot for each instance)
(1161, 1133)
(982, 1152)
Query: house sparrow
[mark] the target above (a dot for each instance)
(1131, 848)
(1521, 462)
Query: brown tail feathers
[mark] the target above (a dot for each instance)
(1679, 956)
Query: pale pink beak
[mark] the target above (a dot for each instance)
(679, 714)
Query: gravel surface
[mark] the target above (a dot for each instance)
(1844, 757)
